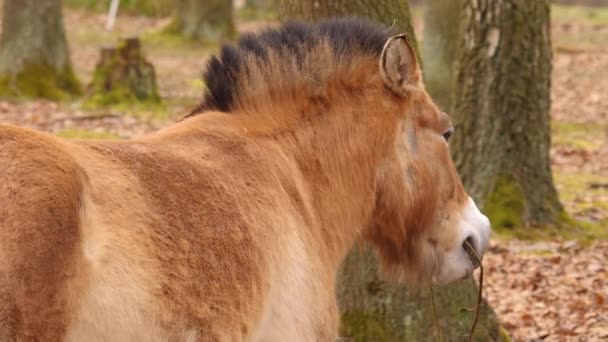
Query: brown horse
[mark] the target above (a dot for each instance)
(230, 225)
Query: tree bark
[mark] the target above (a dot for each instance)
(374, 309)
(204, 20)
(388, 12)
(34, 56)
(501, 116)
(442, 32)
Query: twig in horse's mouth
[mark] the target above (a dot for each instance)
(476, 262)
(437, 330)
(476, 258)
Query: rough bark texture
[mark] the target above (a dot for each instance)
(388, 12)
(377, 310)
(501, 116)
(374, 309)
(204, 20)
(442, 32)
(34, 57)
(123, 75)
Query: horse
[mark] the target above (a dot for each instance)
(231, 223)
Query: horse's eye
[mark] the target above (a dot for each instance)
(448, 134)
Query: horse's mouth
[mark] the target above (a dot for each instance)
(471, 253)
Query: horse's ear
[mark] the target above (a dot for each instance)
(398, 64)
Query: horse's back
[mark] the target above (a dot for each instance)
(172, 220)
(40, 192)
(75, 256)
(140, 240)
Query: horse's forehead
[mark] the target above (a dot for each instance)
(427, 115)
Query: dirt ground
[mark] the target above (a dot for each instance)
(541, 290)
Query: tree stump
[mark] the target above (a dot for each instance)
(123, 75)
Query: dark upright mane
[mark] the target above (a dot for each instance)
(228, 77)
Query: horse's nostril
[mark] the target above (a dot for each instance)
(469, 248)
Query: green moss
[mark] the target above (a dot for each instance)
(594, 15)
(454, 321)
(404, 314)
(577, 39)
(588, 136)
(40, 81)
(116, 96)
(567, 229)
(573, 185)
(587, 232)
(173, 27)
(121, 96)
(575, 191)
(252, 13)
(143, 109)
(503, 334)
(367, 326)
(123, 78)
(75, 133)
(198, 85)
(505, 206)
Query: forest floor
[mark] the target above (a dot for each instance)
(542, 287)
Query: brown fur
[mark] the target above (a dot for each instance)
(40, 193)
(224, 227)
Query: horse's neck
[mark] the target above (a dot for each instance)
(338, 157)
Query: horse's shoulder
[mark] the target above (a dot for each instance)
(40, 193)
(27, 155)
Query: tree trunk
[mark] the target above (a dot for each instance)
(374, 309)
(34, 57)
(208, 21)
(377, 310)
(123, 76)
(156, 8)
(442, 32)
(502, 118)
(388, 12)
(265, 4)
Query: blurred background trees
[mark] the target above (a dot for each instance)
(34, 55)
(487, 63)
(388, 12)
(208, 21)
(203, 20)
(442, 31)
(155, 8)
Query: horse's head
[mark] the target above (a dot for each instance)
(423, 215)
(289, 75)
